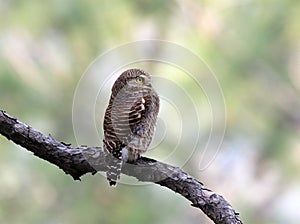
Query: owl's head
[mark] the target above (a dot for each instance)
(133, 80)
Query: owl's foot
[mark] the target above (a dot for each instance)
(130, 155)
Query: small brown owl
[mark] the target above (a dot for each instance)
(129, 120)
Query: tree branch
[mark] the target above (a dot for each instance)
(77, 161)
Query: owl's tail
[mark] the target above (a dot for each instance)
(114, 166)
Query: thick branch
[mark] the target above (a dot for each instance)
(78, 161)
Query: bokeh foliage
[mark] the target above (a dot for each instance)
(253, 48)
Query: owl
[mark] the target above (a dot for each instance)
(129, 120)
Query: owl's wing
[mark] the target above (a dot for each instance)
(142, 116)
(136, 116)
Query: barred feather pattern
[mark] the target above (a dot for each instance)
(129, 120)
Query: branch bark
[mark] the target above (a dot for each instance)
(77, 161)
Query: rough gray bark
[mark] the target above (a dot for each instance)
(77, 161)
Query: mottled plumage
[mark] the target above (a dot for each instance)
(129, 120)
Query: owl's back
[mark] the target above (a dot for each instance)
(130, 119)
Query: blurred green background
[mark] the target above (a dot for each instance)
(253, 47)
